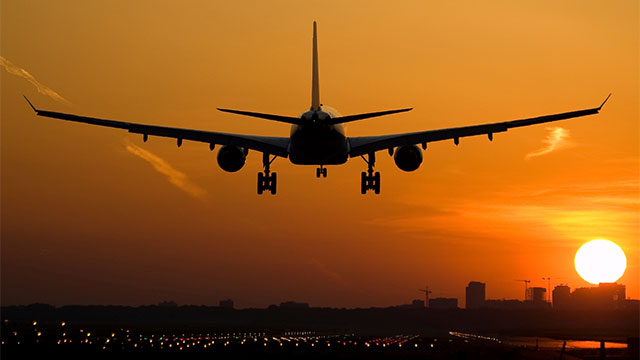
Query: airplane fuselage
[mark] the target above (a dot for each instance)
(316, 142)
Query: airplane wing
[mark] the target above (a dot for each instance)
(368, 144)
(266, 144)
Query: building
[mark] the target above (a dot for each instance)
(504, 304)
(561, 297)
(475, 295)
(226, 304)
(293, 305)
(536, 294)
(604, 297)
(168, 304)
(443, 303)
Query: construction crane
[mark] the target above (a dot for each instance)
(426, 292)
(549, 286)
(526, 282)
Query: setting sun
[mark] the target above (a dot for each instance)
(600, 261)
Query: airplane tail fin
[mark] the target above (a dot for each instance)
(315, 86)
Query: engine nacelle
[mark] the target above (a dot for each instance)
(231, 158)
(408, 158)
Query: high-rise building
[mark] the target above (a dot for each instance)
(227, 304)
(536, 294)
(475, 295)
(561, 297)
(613, 291)
(605, 296)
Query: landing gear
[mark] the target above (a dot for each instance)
(370, 180)
(321, 171)
(267, 180)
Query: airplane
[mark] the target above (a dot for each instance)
(317, 137)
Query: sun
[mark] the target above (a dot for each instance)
(600, 261)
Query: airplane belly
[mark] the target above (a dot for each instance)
(318, 147)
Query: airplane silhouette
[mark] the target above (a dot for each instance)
(318, 138)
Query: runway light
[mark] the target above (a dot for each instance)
(63, 323)
(35, 323)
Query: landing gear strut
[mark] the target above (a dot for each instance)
(321, 171)
(267, 180)
(369, 180)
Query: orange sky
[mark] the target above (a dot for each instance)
(95, 216)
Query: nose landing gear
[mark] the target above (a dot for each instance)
(370, 180)
(321, 171)
(267, 180)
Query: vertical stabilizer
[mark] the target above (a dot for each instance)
(315, 86)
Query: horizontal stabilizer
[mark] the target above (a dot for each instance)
(349, 118)
(285, 119)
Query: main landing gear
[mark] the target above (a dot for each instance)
(321, 171)
(267, 180)
(369, 180)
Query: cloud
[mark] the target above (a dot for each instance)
(177, 178)
(330, 274)
(553, 215)
(557, 138)
(18, 71)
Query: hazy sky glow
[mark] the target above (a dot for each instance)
(86, 221)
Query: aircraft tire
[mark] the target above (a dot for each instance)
(273, 183)
(260, 183)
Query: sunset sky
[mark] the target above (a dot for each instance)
(92, 215)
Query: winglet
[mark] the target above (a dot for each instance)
(605, 100)
(30, 104)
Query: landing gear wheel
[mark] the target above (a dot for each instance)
(274, 181)
(363, 183)
(376, 183)
(321, 171)
(260, 183)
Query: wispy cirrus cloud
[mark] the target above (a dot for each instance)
(43, 89)
(560, 214)
(330, 274)
(177, 178)
(557, 138)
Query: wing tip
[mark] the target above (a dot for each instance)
(30, 104)
(604, 102)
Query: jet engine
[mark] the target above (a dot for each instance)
(231, 158)
(408, 158)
